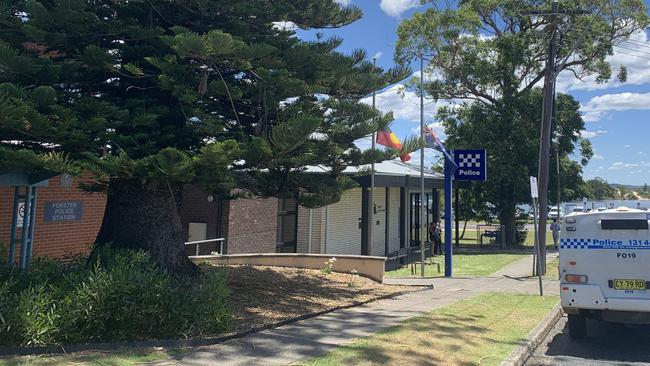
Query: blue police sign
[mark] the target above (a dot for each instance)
(472, 165)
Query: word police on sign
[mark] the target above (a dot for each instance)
(64, 211)
(472, 165)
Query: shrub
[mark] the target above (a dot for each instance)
(521, 233)
(121, 295)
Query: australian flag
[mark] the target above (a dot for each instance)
(432, 141)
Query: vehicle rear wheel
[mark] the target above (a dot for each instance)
(577, 326)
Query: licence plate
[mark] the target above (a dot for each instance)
(629, 285)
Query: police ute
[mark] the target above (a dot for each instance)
(605, 268)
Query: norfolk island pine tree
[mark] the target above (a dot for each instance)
(150, 95)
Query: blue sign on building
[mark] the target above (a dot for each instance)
(64, 211)
(472, 165)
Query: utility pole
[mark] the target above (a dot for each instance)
(547, 115)
(545, 136)
(371, 202)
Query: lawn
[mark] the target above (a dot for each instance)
(551, 270)
(469, 239)
(479, 331)
(465, 264)
(117, 357)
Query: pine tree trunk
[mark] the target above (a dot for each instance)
(145, 216)
(507, 219)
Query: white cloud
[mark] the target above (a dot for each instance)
(621, 165)
(378, 55)
(364, 143)
(404, 104)
(638, 68)
(591, 134)
(437, 128)
(429, 157)
(285, 26)
(598, 107)
(598, 157)
(628, 146)
(343, 2)
(395, 8)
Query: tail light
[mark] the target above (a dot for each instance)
(572, 278)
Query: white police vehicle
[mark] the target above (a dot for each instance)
(605, 268)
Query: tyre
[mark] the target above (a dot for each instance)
(577, 326)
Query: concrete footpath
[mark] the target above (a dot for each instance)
(312, 337)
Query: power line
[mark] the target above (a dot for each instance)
(644, 43)
(582, 36)
(630, 54)
(634, 43)
(618, 47)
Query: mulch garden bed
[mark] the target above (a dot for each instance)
(261, 295)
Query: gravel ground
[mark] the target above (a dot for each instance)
(261, 295)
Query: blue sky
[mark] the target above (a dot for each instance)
(616, 115)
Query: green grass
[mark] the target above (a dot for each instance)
(551, 270)
(479, 331)
(470, 239)
(118, 357)
(465, 264)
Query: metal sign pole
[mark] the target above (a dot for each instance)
(371, 198)
(448, 219)
(423, 230)
(538, 253)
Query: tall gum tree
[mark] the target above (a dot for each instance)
(149, 95)
(490, 55)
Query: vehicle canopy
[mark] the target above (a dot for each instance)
(607, 247)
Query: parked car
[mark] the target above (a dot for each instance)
(554, 214)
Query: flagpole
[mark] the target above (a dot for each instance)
(423, 229)
(371, 206)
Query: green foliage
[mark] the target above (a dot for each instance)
(122, 295)
(486, 49)
(166, 83)
(490, 54)
(598, 189)
(512, 146)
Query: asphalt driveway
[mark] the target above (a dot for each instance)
(607, 344)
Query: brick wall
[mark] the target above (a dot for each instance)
(252, 225)
(195, 207)
(57, 238)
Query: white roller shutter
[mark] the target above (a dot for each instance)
(343, 232)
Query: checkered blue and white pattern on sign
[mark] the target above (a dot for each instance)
(574, 243)
(469, 160)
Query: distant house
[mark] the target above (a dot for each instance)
(263, 225)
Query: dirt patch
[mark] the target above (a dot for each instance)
(262, 295)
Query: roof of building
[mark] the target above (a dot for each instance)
(387, 167)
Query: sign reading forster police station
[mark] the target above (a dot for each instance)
(64, 211)
(472, 165)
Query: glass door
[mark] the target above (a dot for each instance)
(414, 216)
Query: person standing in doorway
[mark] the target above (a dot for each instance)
(555, 229)
(436, 237)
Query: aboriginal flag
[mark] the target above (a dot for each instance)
(387, 138)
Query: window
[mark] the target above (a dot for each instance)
(287, 226)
